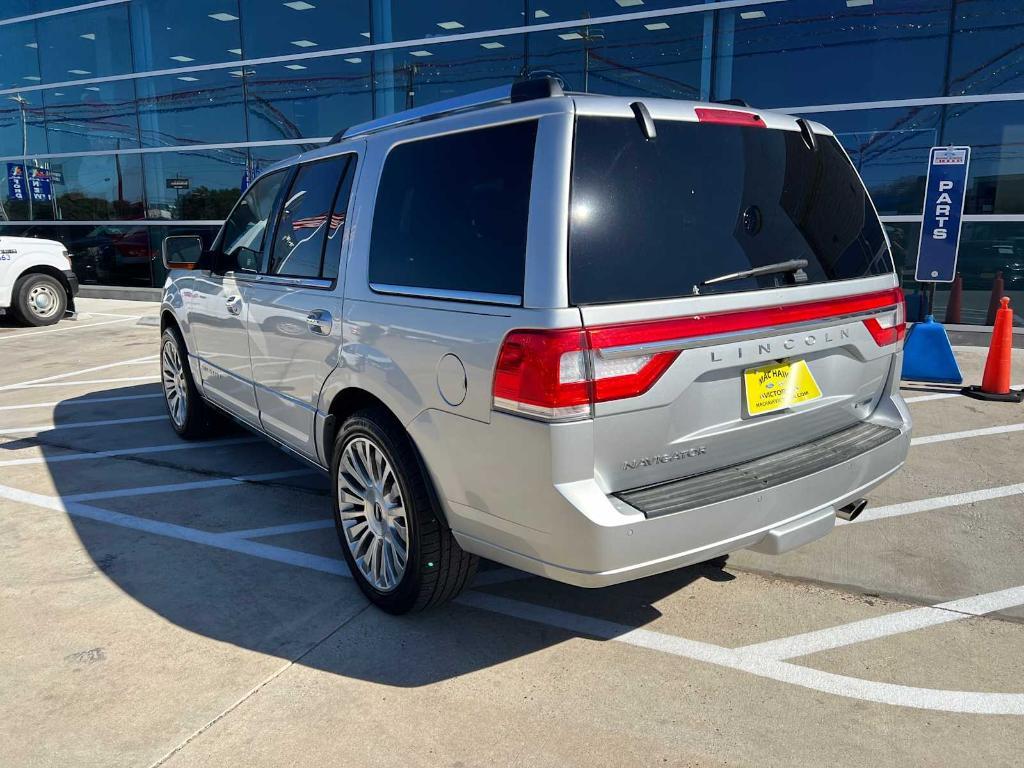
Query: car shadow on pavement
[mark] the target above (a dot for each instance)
(287, 610)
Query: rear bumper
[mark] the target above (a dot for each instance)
(506, 503)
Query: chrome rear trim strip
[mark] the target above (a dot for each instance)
(696, 342)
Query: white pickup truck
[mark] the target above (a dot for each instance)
(37, 285)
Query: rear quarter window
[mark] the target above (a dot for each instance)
(452, 212)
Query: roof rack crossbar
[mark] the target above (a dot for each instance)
(521, 91)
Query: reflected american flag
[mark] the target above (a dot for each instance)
(312, 222)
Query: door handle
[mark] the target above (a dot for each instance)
(319, 321)
(234, 305)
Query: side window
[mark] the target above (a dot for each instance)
(452, 211)
(306, 218)
(245, 228)
(336, 229)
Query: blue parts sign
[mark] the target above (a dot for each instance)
(944, 194)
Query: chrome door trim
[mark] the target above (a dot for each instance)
(245, 277)
(296, 282)
(696, 342)
(474, 297)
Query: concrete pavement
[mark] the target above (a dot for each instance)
(171, 604)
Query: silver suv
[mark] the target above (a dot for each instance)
(594, 338)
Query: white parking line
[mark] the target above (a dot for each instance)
(146, 359)
(885, 626)
(81, 424)
(967, 433)
(182, 532)
(166, 448)
(195, 485)
(278, 530)
(936, 502)
(80, 401)
(840, 685)
(75, 326)
(975, 702)
(90, 381)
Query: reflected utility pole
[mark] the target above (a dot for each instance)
(588, 38)
(23, 111)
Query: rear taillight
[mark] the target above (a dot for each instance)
(559, 374)
(551, 374)
(543, 374)
(889, 327)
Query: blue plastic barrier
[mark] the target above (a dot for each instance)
(928, 355)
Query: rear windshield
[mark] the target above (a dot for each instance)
(653, 219)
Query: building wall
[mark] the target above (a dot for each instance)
(121, 100)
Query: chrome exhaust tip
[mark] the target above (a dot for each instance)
(852, 511)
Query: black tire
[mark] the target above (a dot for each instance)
(436, 569)
(197, 420)
(39, 300)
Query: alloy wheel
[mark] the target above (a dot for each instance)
(373, 515)
(172, 373)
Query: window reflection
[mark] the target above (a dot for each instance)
(544, 11)
(986, 47)
(193, 185)
(659, 58)
(92, 117)
(84, 44)
(311, 98)
(995, 133)
(166, 35)
(21, 124)
(409, 78)
(412, 21)
(19, 57)
(15, 8)
(91, 188)
(196, 108)
(823, 52)
(277, 28)
(889, 148)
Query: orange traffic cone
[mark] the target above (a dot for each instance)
(995, 383)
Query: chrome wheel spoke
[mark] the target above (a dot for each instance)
(172, 374)
(372, 513)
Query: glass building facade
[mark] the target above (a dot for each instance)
(122, 121)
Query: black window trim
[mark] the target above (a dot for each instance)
(218, 242)
(317, 283)
(444, 294)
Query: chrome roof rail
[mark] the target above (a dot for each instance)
(523, 90)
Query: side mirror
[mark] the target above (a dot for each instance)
(182, 251)
(248, 259)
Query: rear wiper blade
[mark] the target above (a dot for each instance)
(793, 265)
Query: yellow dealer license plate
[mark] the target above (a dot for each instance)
(779, 385)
